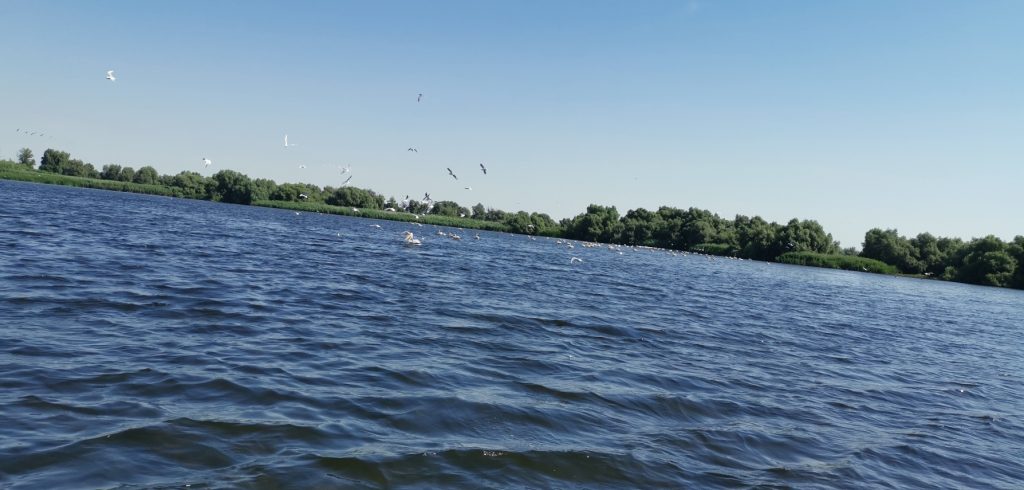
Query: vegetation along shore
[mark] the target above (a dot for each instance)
(986, 261)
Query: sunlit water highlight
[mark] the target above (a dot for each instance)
(154, 342)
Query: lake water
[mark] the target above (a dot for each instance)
(155, 342)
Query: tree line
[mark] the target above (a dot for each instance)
(987, 261)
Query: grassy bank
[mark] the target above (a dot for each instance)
(427, 219)
(835, 261)
(11, 171)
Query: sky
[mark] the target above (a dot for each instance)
(856, 114)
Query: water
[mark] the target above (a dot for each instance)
(154, 342)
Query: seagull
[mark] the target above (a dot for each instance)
(302, 166)
(469, 188)
(346, 169)
(452, 174)
(207, 162)
(286, 144)
(482, 167)
(413, 149)
(110, 76)
(574, 260)
(346, 181)
(418, 97)
(409, 240)
(303, 196)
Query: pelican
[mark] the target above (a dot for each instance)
(452, 173)
(482, 167)
(409, 240)
(110, 76)
(207, 162)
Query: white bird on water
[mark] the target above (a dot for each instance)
(409, 240)
(574, 260)
(110, 76)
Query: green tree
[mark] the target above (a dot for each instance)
(127, 174)
(356, 197)
(805, 236)
(889, 247)
(1016, 250)
(231, 186)
(26, 158)
(445, 208)
(54, 161)
(146, 175)
(111, 172)
(987, 261)
(598, 224)
(479, 211)
(757, 238)
(191, 185)
(262, 189)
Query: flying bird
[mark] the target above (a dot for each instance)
(303, 196)
(346, 181)
(418, 97)
(413, 149)
(110, 76)
(426, 196)
(286, 144)
(482, 167)
(206, 162)
(469, 188)
(302, 166)
(452, 174)
(346, 169)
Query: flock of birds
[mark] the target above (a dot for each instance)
(409, 237)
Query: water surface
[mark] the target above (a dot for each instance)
(156, 342)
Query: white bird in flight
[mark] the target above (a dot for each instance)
(346, 169)
(469, 188)
(482, 167)
(452, 173)
(286, 144)
(302, 166)
(110, 76)
(207, 162)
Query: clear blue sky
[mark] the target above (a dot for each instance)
(857, 114)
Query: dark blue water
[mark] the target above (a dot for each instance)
(154, 342)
